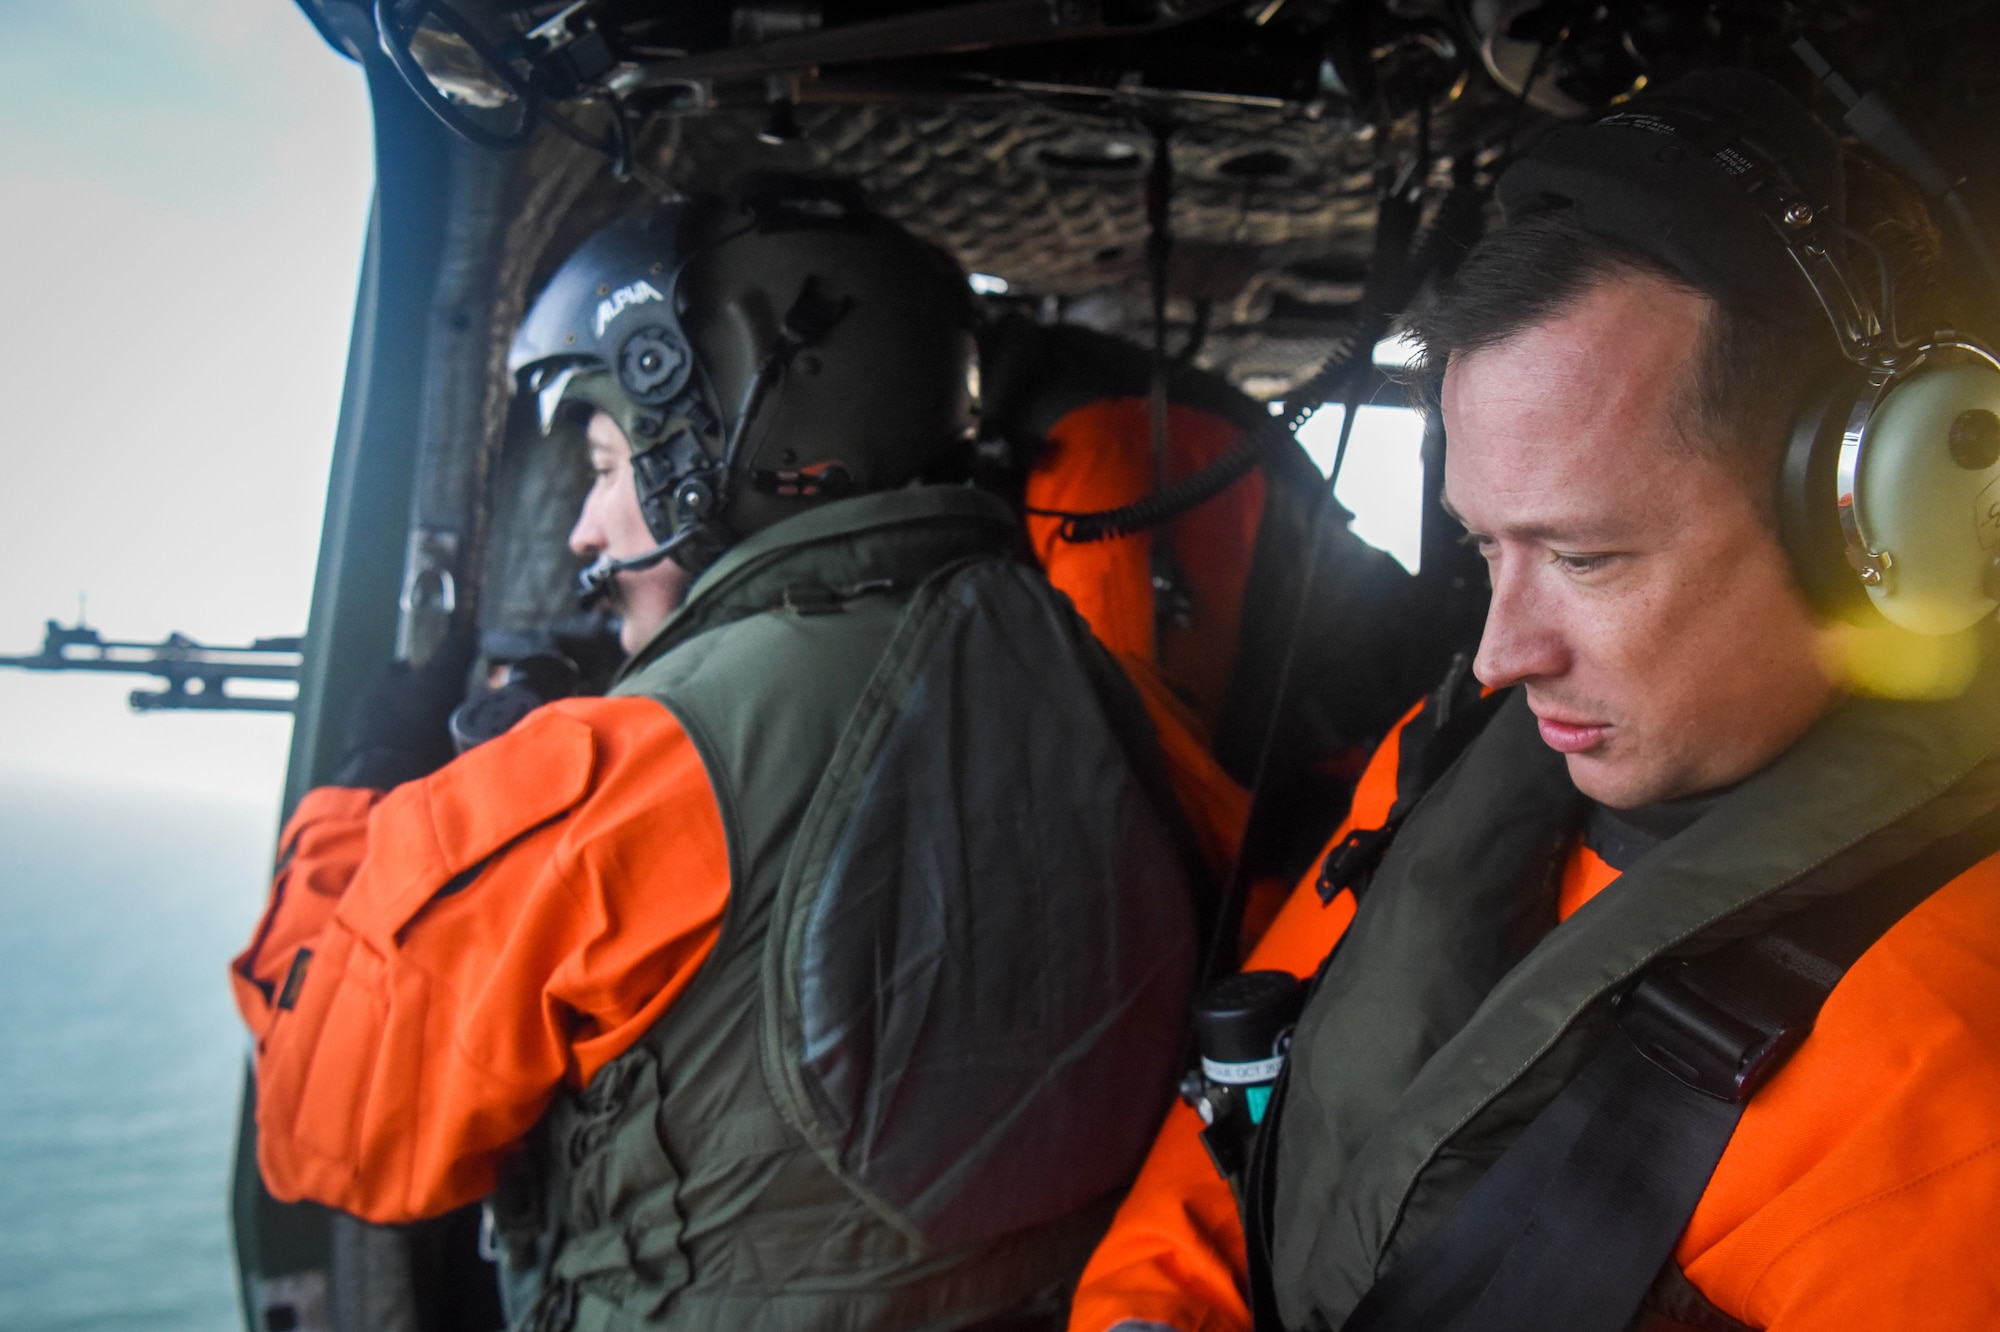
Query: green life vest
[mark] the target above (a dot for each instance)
(1456, 1008)
(943, 1015)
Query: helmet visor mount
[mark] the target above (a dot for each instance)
(549, 383)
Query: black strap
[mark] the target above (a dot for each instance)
(1428, 744)
(1574, 1222)
(1573, 1170)
(1256, 1203)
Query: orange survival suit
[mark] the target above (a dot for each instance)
(504, 953)
(1861, 1187)
(1202, 603)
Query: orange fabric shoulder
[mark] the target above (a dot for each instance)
(1585, 875)
(509, 924)
(1090, 464)
(1100, 457)
(1306, 929)
(1862, 1186)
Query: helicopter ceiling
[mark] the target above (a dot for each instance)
(1024, 135)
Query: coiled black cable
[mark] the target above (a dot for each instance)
(1400, 265)
(1439, 245)
(1172, 500)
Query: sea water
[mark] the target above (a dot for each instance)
(121, 1059)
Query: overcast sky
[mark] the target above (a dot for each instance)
(184, 186)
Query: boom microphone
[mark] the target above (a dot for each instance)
(595, 580)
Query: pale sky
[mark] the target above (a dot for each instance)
(183, 193)
(1381, 483)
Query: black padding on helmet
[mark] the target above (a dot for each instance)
(1676, 175)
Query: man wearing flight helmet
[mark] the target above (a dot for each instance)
(829, 972)
(1667, 987)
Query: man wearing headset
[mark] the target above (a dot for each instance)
(828, 973)
(1592, 896)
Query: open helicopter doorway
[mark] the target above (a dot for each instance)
(1382, 478)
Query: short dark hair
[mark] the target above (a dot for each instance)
(1751, 371)
(1749, 375)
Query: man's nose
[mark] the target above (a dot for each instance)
(1521, 641)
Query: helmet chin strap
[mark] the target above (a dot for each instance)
(596, 580)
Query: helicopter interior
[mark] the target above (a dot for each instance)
(1253, 189)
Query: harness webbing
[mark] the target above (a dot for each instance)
(1576, 1219)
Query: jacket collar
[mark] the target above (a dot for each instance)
(830, 546)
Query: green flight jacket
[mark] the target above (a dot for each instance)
(944, 1012)
(1456, 1007)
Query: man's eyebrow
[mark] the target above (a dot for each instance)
(1547, 533)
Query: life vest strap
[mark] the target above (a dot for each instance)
(1571, 1226)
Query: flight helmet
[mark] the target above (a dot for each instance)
(764, 351)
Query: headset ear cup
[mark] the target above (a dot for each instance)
(1808, 511)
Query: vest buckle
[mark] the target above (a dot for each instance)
(1352, 863)
(1722, 1035)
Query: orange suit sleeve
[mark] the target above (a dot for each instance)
(1862, 1185)
(1174, 1255)
(439, 960)
(319, 851)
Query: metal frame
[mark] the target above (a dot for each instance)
(1877, 567)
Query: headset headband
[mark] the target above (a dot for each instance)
(1669, 175)
(1809, 229)
(1806, 228)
